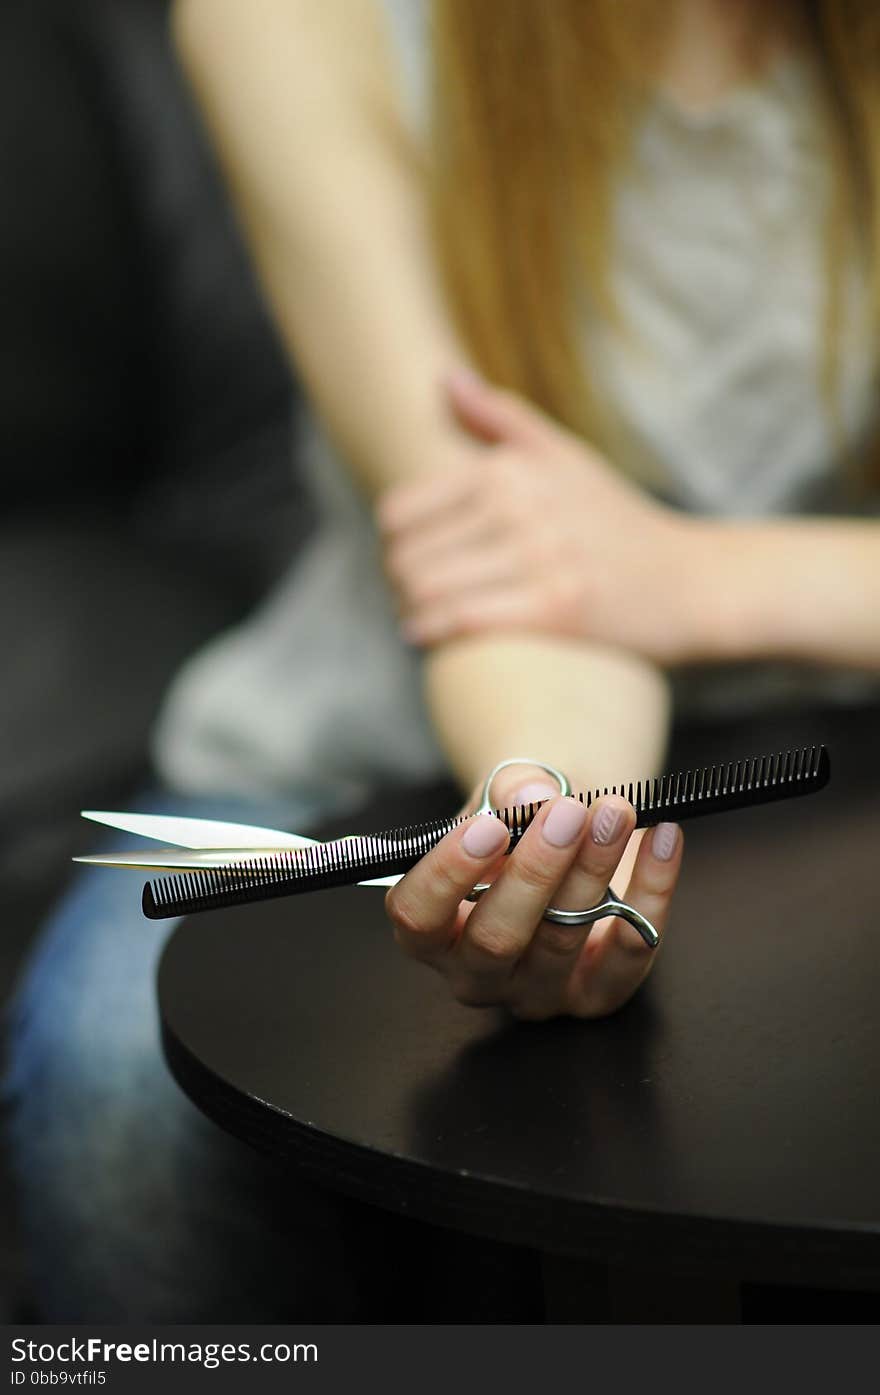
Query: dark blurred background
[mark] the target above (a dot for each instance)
(146, 414)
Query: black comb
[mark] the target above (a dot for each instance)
(710, 790)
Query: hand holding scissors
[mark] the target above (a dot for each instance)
(537, 867)
(539, 931)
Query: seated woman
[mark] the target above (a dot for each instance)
(583, 298)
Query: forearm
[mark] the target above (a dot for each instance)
(601, 715)
(805, 589)
(299, 97)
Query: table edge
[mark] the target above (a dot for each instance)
(500, 1210)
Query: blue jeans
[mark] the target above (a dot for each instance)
(136, 1207)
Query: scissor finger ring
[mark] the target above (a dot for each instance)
(486, 806)
(611, 903)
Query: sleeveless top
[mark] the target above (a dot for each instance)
(715, 391)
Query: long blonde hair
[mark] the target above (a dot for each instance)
(533, 104)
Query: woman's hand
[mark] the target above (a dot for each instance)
(499, 950)
(538, 532)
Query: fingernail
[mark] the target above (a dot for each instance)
(484, 835)
(664, 841)
(608, 824)
(534, 792)
(564, 822)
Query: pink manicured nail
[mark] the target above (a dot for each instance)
(664, 841)
(534, 792)
(484, 835)
(564, 822)
(608, 824)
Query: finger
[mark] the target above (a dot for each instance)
(450, 583)
(610, 822)
(411, 504)
(423, 905)
(494, 415)
(501, 927)
(616, 959)
(496, 607)
(412, 552)
(520, 782)
(411, 563)
(543, 972)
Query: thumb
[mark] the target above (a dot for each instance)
(522, 783)
(492, 414)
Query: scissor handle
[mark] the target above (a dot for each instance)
(611, 903)
(486, 804)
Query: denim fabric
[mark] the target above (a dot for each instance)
(137, 1208)
(134, 1205)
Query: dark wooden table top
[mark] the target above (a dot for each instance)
(728, 1118)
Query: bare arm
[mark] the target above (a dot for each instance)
(806, 589)
(552, 520)
(300, 98)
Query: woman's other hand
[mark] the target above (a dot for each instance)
(538, 533)
(499, 950)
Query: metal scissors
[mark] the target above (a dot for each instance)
(197, 844)
(221, 864)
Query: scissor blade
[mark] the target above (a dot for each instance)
(198, 833)
(181, 859)
(193, 859)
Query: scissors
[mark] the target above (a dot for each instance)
(200, 844)
(221, 864)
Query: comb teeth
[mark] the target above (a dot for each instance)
(283, 873)
(687, 794)
(735, 785)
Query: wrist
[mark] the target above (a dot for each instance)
(723, 593)
(599, 714)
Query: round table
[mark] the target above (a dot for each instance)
(723, 1126)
